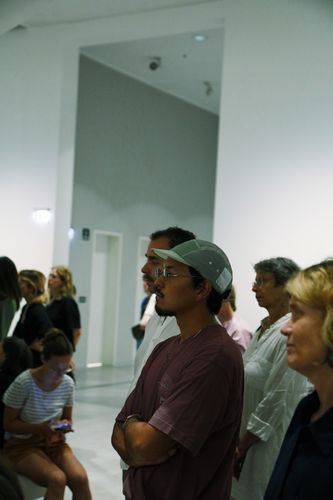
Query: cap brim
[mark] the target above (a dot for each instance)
(164, 254)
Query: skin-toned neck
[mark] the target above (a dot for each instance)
(192, 321)
(226, 311)
(278, 309)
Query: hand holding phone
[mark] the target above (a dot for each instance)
(62, 426)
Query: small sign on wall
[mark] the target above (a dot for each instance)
(86, 234)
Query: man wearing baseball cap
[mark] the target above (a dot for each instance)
(178, 428)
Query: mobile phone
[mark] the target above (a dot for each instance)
(62, 426)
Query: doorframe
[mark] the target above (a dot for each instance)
(110, 313)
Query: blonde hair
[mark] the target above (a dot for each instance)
(37, 281)
(67, 288)
(314, 287)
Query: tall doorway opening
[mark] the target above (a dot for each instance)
(104, 303)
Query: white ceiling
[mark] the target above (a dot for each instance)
(185, 63)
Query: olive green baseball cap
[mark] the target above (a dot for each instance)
(206, 258)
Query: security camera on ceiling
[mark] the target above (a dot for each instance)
(154, 63)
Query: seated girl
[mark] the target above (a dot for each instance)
(37, 404)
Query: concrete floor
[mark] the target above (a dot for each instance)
(99, 395)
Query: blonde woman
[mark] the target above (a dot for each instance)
(304, 467)
(62, 310)
(34, 321)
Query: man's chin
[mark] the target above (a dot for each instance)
(163, 312)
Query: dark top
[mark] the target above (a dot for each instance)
(33, 324)
(191, 391)
(304, 468)
(10, 488)
(5, 380)
(65, 315)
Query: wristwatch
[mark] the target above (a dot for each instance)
(135, 417)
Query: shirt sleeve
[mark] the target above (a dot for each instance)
(73, 314)
(282, 391)
(195, 402)
(71, 390)
(41, 321)
(16, 394)
(149, 311)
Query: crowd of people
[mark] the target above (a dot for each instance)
(214, 412)
(36, 382)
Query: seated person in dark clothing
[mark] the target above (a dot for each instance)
(15, 357)
(34, 321)
(10, 488)
(9, 294)
(303, 470)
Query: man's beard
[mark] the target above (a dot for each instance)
(163, 312)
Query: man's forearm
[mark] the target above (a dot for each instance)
(139, 444)
(247, 440)
(118, 442)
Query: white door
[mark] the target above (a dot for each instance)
(104, 293)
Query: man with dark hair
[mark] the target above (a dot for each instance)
(158, 328)
(179, 427)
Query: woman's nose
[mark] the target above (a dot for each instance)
(286, 329)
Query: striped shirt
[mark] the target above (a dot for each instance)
(37, 405)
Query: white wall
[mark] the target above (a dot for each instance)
(38, 86)
(38, 96)
(275, 168)
(28, 153)
(144, 161)
(273, 189)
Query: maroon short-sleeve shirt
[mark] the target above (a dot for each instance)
(192, 391)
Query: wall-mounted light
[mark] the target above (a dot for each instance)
(200, 38)
(71, 233)
(41, 215)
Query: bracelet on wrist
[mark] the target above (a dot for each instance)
(135, 417)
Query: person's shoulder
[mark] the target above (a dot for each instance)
(22, 381)
(68, 381)
(216, 340)
(67, 299)
(37, 309)
(159, 326)
(70, 302)
(23, 376)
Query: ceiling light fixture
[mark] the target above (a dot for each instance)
(200, 38)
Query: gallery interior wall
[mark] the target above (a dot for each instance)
(273, 191)
(275, 167)
(144, 160)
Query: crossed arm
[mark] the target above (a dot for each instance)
(139, 443)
